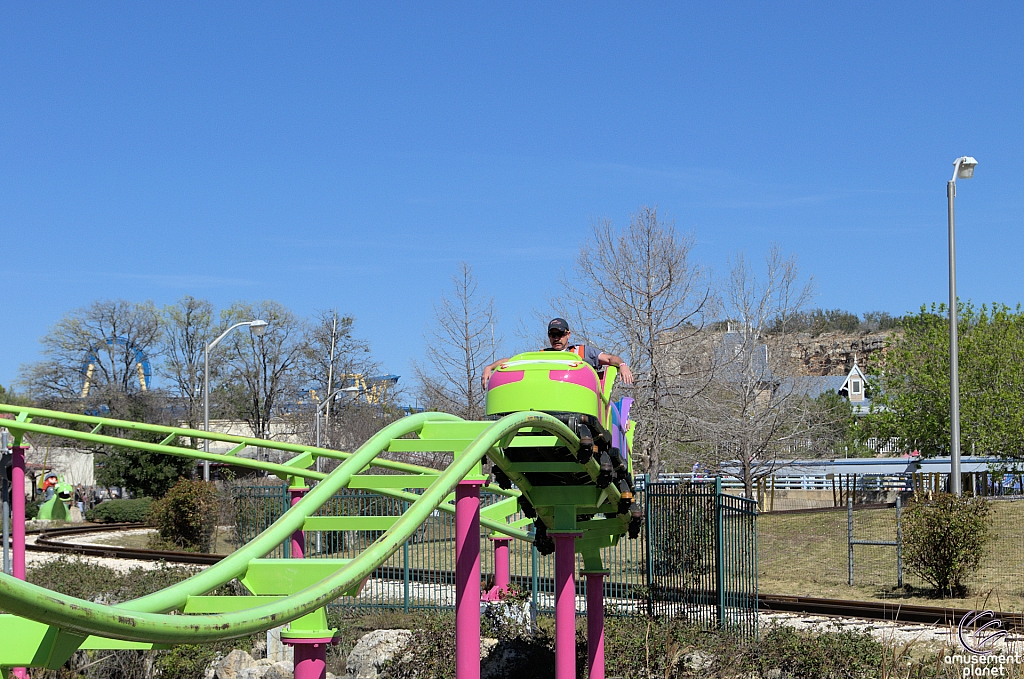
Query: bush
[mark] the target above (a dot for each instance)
(187, 516)
(944, 539)
(121, 511)
(83, 579)
(840, 653)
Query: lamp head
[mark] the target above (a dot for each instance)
(258, 327)
(965, 167)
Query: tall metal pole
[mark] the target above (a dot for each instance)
(954, 355)
(259, 325)
(206, 409)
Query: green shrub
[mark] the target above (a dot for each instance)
(121, 511)
(32, 510)
(824, 654)
(85, 580)
(187, 516)
(944, 540)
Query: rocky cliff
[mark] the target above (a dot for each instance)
(832, 353)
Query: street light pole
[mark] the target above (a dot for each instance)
(963, 168)
(320, 408)
(258, 327)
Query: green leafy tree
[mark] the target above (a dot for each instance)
(838, 428)
(141, 473)
(186, 515)
(912, 404)
(944, 539)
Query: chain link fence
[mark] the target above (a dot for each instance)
(808, 553)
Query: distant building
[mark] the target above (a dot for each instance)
(854, 388)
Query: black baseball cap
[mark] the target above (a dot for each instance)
(559, 324)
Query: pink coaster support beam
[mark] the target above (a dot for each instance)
(565, 604)
(595, 624)
(298, 548)
(467, 580)
(18, 526)
(502, 569)
(310, 657)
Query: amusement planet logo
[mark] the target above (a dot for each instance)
(980, 640)
(979, 632)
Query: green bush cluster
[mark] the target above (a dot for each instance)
(187, 516)
(85, 580)
(670, 648)
(32, 510)
(944, 539)
(121, 511)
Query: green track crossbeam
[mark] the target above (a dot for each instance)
(47, 627)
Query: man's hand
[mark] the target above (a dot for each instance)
(486, 377)
(627, 375)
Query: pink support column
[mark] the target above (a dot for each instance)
(565, 604)
(18, 526)
(467, 580)
(18, 511)
(502, 569)
(298, 537)
(595, 624)
(310, 657)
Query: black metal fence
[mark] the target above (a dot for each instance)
(695, 537)
(702, 554)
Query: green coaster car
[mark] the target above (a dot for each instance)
(563, 385)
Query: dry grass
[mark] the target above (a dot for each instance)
(806, 555)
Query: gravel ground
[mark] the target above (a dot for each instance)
(120, 565)
(933, 636)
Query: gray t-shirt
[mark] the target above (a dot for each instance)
(590, 354)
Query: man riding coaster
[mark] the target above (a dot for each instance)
(558, 336)
(613, 466)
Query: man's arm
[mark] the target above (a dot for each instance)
(486, 376)
(613, 360)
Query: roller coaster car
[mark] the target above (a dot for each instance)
(561, 384)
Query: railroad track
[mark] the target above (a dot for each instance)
(876, 610)
(838, 608)
(47, 542)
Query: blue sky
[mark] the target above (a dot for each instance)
(331, 155)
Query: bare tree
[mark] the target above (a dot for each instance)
(460, 343)
(751, 412)
(97, 359)
(640, 294)
(260, 374)
(96, 353)
(331, 359)
(187, 329)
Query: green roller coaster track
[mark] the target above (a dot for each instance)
(43, 628)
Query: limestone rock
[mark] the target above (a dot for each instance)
(699, 661)
(233, 664)
(373, 650)
(280, 670)
(276, 649)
